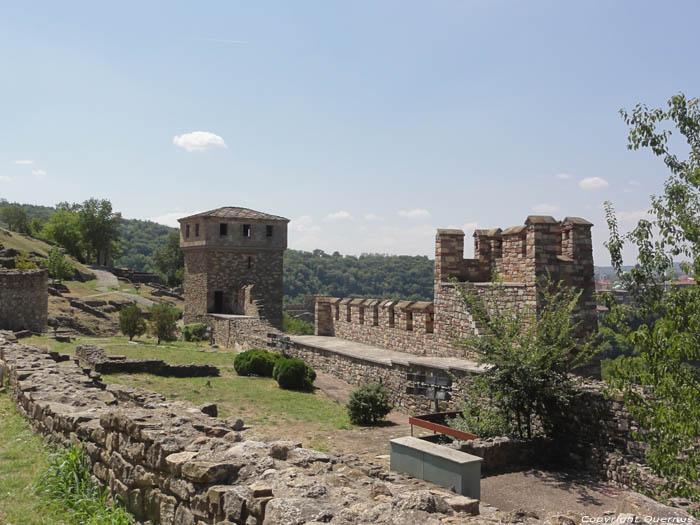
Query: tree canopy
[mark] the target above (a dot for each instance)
(660, 382)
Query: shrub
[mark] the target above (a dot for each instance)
(131, 321)
(22, 262)
(164, 322)
(368, 404)
(294, 374)
(58, 266)
(482, 418)
(194, 332)
(256, 363)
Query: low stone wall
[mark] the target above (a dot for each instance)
(504, 454)
(105, 364)
(24, 300)
(239, 332)
(170, 463)
(392, 375)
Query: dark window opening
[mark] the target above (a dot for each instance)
(250, 262)
(223, 229)
(524, 246)
(268, 231)
(391, 318)
(409, 321)
(246, 230)
(196, 230)
(187, 231)
(375, 316)
(337, 312)
(429, 322)
(218, 302)
(362, 315)
(349, 314)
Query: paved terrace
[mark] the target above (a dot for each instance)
(384, 356)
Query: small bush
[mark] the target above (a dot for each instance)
(164, 322)
(194, 332)
(65, 484)
(256, 363)
(58, 266)
(294, 374)
(368, 404)
(483, 419)
(131, 321)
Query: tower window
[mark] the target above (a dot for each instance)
(268, 230)
(250, 262)
(187, 231)
(196, 230)
(246, 230)
(223, 229)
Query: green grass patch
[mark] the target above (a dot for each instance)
(22, 456)
(257, 400)
(65, 485)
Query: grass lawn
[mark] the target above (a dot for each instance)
(22, 456)
(258, 401)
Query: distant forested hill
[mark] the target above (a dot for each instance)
(377, 276)
(138, 239)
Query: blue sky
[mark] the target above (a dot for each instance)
(369, 124)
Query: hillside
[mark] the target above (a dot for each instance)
(36, 248)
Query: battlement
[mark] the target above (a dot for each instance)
(523, 253)
(519, 255)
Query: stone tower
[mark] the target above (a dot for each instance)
(233, 264)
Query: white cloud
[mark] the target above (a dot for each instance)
(5, 178)
(545, 208)
(304, 224)
(199, 141)
(339, 215)
(39, 174)
(414, 213)
(563, 175)
(373, 217)
(593, 183)
(170, 218)
(24, 162)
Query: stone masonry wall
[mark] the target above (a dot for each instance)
(434, 327)
(170, 463)
(24, 300)
(208, 270)
(362, 371)
(240, 333)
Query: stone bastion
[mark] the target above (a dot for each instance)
(24, 300)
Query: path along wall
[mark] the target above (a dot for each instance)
(170, 463)
(24, 300)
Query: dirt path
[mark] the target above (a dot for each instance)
(105, 279)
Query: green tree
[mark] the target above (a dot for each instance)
(99, 229)
(131, 321)
(529, 355)
(58, 266)
(15, 217)
(168, 259)
(660, 383)
(63, 228)
(22, 262)
(164, 322)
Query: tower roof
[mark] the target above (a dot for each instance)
(232, 212)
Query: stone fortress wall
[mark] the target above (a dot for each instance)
(521, 256)
(24, 300)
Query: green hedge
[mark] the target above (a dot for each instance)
(194, 332)
(256, 363)
(293, 374)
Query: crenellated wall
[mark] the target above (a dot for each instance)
(520, 256)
